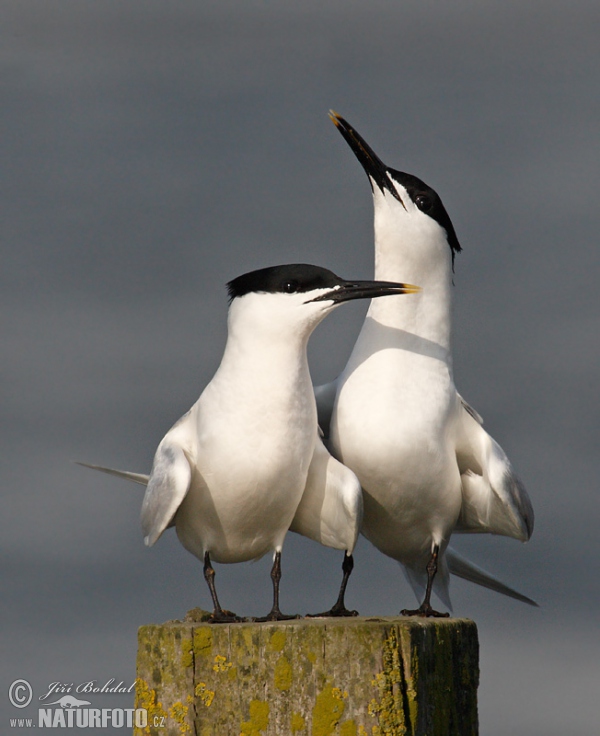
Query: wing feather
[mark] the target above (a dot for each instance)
(325, 398)
(140, 478)
(469, 409)
(494, 499)
(168, 485)
(463, 568)
(330, 511)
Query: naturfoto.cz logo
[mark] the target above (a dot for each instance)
(72, 712)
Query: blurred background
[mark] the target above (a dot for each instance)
(152, 151)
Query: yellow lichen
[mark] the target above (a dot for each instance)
(337, 693)
(389, 708)
(259, 719)
(328, 709)
(187, 653)
(277, 642)
(348, 728)
(309, 653)
(203, 641)
(205, 695)
(297, 723)
(283, 674)
(145, 697)
(178, 713)
(221, 664)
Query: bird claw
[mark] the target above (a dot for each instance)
(224, 617)
(335, 612)
(276, 615)
(425, 611)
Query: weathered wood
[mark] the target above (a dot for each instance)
(323, 677)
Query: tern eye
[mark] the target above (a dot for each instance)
(423, 202)
(290, 287)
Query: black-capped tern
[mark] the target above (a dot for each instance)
(426, 465)
(246, 462)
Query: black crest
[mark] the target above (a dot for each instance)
(287, 279)
(429, 202)
(424, 197)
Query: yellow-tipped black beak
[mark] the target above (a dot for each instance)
(374, 167)
(349, 290)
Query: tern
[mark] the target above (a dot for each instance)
(246, 462)
(426, 465)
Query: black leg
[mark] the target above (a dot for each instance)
(425, 608)
(339, 607)
(219, 616)
(275, 614)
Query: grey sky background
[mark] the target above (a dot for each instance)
(151, 151)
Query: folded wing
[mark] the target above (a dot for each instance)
(325, 398)
(330, 511)
(168, 485)
(494, 499)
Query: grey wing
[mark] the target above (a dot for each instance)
(330, 511)
(494, 499)
(168, 485)
(325, 398)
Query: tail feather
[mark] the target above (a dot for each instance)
(125, 474)
(462, 568)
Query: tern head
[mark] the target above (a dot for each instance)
(408, 212)
(296, 297)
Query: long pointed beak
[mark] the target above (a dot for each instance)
(374, 167)
(349, 290)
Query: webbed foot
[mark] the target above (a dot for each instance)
(276, 615)
(222, 616)
(334, 612)
(424, 611)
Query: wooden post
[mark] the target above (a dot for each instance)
(309, 677)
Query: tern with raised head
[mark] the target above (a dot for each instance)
(426, 465)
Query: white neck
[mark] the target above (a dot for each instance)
(417, 253)
(263, 360)
(265, 357)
